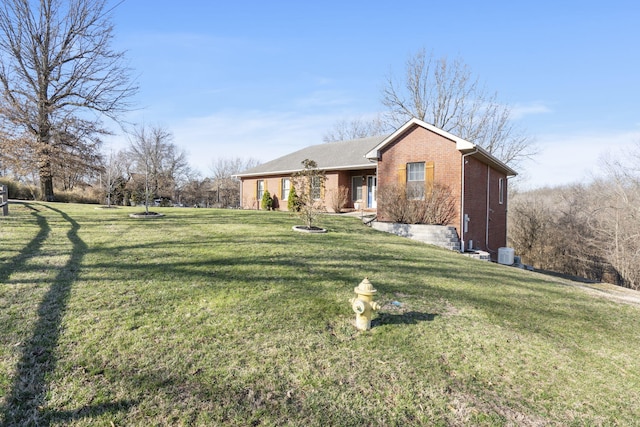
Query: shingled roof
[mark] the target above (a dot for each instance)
(338, 155)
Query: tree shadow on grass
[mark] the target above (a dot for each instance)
(25, 402)
(30, 250)
(408, 318)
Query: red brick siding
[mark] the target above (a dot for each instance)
(497, 214)
(421, 145)
(272, 184)
(334, 179)
(475, 202)
(331, 184)
(477, 175)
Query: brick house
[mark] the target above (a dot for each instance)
(416, 154)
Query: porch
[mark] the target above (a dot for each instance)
(361, 186)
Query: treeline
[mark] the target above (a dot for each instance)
(588, 230)
(60, 79)
(152, 169)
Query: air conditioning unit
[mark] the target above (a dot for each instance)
(505, 256)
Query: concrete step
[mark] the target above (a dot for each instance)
(442, 236)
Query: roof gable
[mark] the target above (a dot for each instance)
(462, 145)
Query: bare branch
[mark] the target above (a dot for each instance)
(445, 93)
(56, 65)
(345, 130)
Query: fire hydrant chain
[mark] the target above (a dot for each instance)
(363, 305)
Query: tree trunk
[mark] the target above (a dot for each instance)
(46, 186)
(44, 150)
(46, 176)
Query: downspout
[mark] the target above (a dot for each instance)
(506, 208)
(486, 231)
(462, 216)
(375, 193)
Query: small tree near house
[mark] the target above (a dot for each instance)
(267, 202)
(309, 186)
(293, 204)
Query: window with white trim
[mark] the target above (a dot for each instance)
(259, 189)
(286, 187)
(316, 184)
(415, 180)
(501, 191)
(356, 188)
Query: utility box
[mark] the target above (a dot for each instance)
(506, 256)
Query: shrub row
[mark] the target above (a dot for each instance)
(21, 191)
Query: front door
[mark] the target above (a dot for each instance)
(372, 182)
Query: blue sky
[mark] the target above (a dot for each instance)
(263, 78)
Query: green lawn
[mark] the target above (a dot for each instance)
(227, 317)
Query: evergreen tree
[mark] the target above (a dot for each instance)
(267, 202)
(293, 205)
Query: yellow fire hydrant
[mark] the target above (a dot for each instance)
(363, 304)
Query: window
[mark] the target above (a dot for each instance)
(259, 189)
(286, 187)
(501, 191)
(415, 180)
(316, 183)
(356, 188)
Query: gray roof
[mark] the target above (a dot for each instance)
(338, 155)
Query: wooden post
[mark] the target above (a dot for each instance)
(4, 200)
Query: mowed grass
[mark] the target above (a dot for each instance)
(226, 317)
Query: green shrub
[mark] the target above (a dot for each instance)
(293, 204)
(267, 202)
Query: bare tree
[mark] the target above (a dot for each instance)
(76, 149)
(174, 170)
(445, 94)
(616, 220)
(223, 168)
(143, 149)
(17, 163)
(345, 130)
(196, 191)
(309, 186)
(17, 160)
(156, 158)
(530, 227)
(113, 177)
(589, 230)
(56, 64)
(549, 229)
(223, 183)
